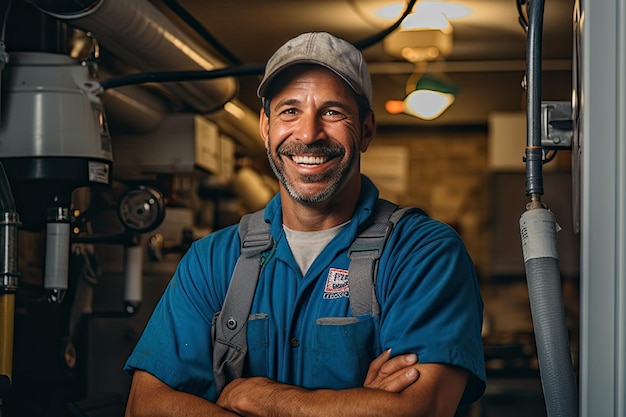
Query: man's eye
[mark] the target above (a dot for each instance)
(289, 111)
(334, 114)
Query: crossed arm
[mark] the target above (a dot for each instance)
(398, 386)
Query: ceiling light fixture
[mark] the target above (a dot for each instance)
(425, 34)
(429, 100)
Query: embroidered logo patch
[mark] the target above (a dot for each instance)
(336, 284)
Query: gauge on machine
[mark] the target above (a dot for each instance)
(141, 209)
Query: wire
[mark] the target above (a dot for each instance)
(174, 76)
(523, 21)
(549, 156)
(377, 37)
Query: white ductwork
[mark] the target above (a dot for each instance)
(133, 109)
(242, 124)
(140, 35)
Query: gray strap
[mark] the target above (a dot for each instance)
(230, 325)
(364, 254)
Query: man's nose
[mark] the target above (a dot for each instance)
(309, 129)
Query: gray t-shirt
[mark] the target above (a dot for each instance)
(305, 246)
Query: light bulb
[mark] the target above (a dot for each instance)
(427, 104)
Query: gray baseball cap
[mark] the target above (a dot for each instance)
(323, 49)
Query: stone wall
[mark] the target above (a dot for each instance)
(448, 177)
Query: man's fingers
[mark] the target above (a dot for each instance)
(393, 374)
(400, 380)
(375, 365)
(397, 381)
(397, 363)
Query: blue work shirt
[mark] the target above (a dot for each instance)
(301, 330)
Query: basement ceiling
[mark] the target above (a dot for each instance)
(487, 62)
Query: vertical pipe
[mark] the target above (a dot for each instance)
(7, 315)
(9, 225)
(534, 178)
(56, 272)
(133, 272)
(538, 231)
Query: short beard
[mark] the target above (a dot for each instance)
(334, 184)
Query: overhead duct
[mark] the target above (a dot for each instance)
(133, 108)
(242, 124)
(138, 34)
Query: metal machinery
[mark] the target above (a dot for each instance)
(56, 150)
(53, 139)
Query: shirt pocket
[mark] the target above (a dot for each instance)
(342, 350)
(257, 359)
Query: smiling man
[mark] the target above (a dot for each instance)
(309, 353)
(314, 134)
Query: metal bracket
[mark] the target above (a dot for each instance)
(556, 125)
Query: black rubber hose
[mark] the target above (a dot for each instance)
(534, 178)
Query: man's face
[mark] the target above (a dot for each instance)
(313, 134)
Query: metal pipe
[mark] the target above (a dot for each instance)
(538, 230)
(534, 156)
(9, 225)
(7, 320)
(133, 277)
(56, 272)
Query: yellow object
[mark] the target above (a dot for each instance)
(7, 316)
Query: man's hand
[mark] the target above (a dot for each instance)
(392, 375)
(391, 388)
(385, 373)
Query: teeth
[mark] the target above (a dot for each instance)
(308, 160)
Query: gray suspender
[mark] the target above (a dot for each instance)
(364, 254)
(230, 325)
(229, 330)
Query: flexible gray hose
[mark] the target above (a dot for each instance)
(538, 229)
(555, 362)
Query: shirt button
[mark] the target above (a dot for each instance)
(295, 342)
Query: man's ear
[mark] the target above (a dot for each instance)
(368, 131)
(264, 126)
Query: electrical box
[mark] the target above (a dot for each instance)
(183, 143)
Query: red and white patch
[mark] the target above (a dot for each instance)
(336, 284)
